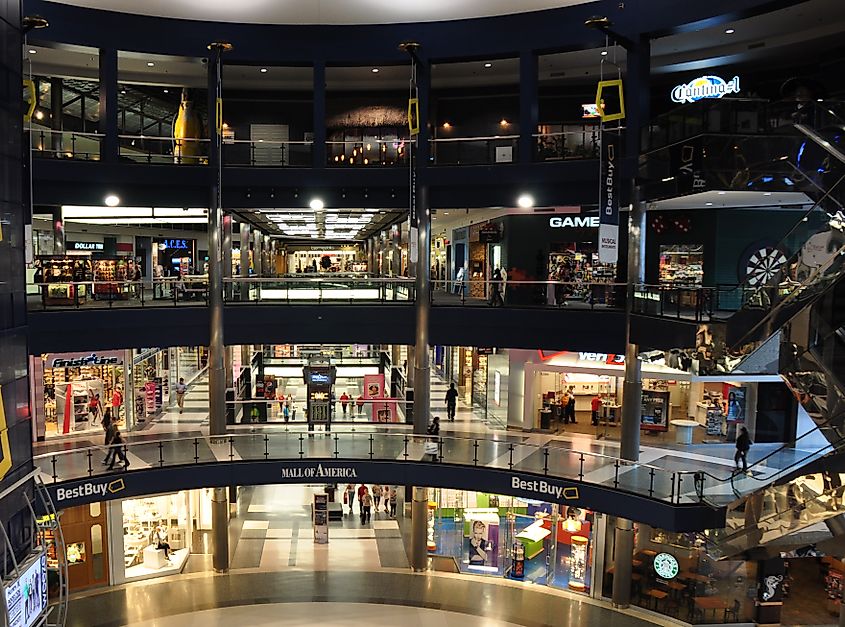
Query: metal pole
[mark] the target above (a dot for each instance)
(244, 286)
(227, 256)
(419, 530)
(216, 352)
(623, 566)
(422, 306)
(220, 530)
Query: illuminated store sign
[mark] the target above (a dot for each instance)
(90, 489)
(91, 360)
(177, 244)
(26, 596)
(319, 377)
(666, 566)
(704, 87)
(90, 246)
(577, 222)
(602, 358)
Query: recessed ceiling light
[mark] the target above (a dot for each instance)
(729, 31)
(316, 204)
(166, 91)
(263, 70)
(32, 51)
(375, 70)
(767, 193)
(604, 53)
(525, 201)
(112, 201)
(122, 91)
(722, 193)
(150, 64)
(488, 65)
(709, 204)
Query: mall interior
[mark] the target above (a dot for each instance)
(471, 313)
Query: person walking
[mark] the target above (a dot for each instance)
(116, 402)
(117, 448)
(361, 489)
(376, 496)
(432, 447)
(451, 402)
(743, 445)
(570, 406)
(181, 390)
(349, 497)
(344, 402)
(496, 289)
(110, 428)
(359, 403)
(595, 406)
(392, 499)
(366, 506)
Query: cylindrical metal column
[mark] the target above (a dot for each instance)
(632, 390)
(57, 116)
(419, 530)
(245, 240)
(216, 369)
(622, 562)
(422, 304)
(220, 530)
(227, 256)
(258, 252)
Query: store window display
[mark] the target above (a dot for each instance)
(577, 268)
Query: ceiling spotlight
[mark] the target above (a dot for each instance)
(316, 204)
(32, 51)
(503, 122)
(488, 65)
(166, 91)
(446, 125)
(112, 201)
(39, 115)
(525, 201)
(150, 64)
(709, 204)
(729, 31)
(722, 193)
(263, 70)
(122, 91)
(375, 70)
(604, 53)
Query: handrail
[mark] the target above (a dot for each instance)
(437, 140)
(577, 471)
(170, 139)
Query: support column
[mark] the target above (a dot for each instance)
(319, 122)
(227, 256)
(257, 252)
(58, 232)
(422, 305)
(216, 352)
(56, 115)
(528, 108)
(220, 530)
(244, 285)
(419, 530)
(109, 149)
(623, 562)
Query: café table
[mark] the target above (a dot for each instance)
(712, 604)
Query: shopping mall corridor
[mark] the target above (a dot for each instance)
(278, 573)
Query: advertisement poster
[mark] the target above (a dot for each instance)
(373, 386)
(321, 518)
(150, 397)
(158, 393)
(611, 160)
(26, 597)
(481, 545)
(736, 405)
(385, 410)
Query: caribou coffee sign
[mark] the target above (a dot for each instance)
(704, 87)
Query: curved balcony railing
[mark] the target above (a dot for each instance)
(54, 144)
(325, 289)
(557, 462)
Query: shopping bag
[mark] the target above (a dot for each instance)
(431, 447)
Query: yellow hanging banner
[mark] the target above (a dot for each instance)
(32, 100)
(219, 120)
(414, 116)
(5, 449)
(610, 105)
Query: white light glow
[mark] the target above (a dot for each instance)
(112, 200)
(525, 201)
(316, 204)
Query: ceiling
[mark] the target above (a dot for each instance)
(323, 11)
(793, 33)
(746, 200)
(322, 224)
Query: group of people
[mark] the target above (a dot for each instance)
(114, 442)
(369, 498)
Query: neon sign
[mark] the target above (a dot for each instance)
(704, 87)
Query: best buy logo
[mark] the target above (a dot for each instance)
(89, 489)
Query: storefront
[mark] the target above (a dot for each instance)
(72, 391)
(150, 382)
(138, 527)
(503, 536)
(175, 256)
(110, 278)
(85, 531)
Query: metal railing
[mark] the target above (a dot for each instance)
(566, 145)
(475, 150)
(52, 144)
(549, 461)
(326, 288)
(163, 150)
(265, 153)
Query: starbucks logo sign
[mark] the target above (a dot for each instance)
(666, 566)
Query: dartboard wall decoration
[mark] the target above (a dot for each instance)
(761, 265)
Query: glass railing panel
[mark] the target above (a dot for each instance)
(501, 149)
(566, 145)
(52, 144)
(265, 153)
(163, 150)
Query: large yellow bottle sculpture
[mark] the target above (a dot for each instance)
(187, 129)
